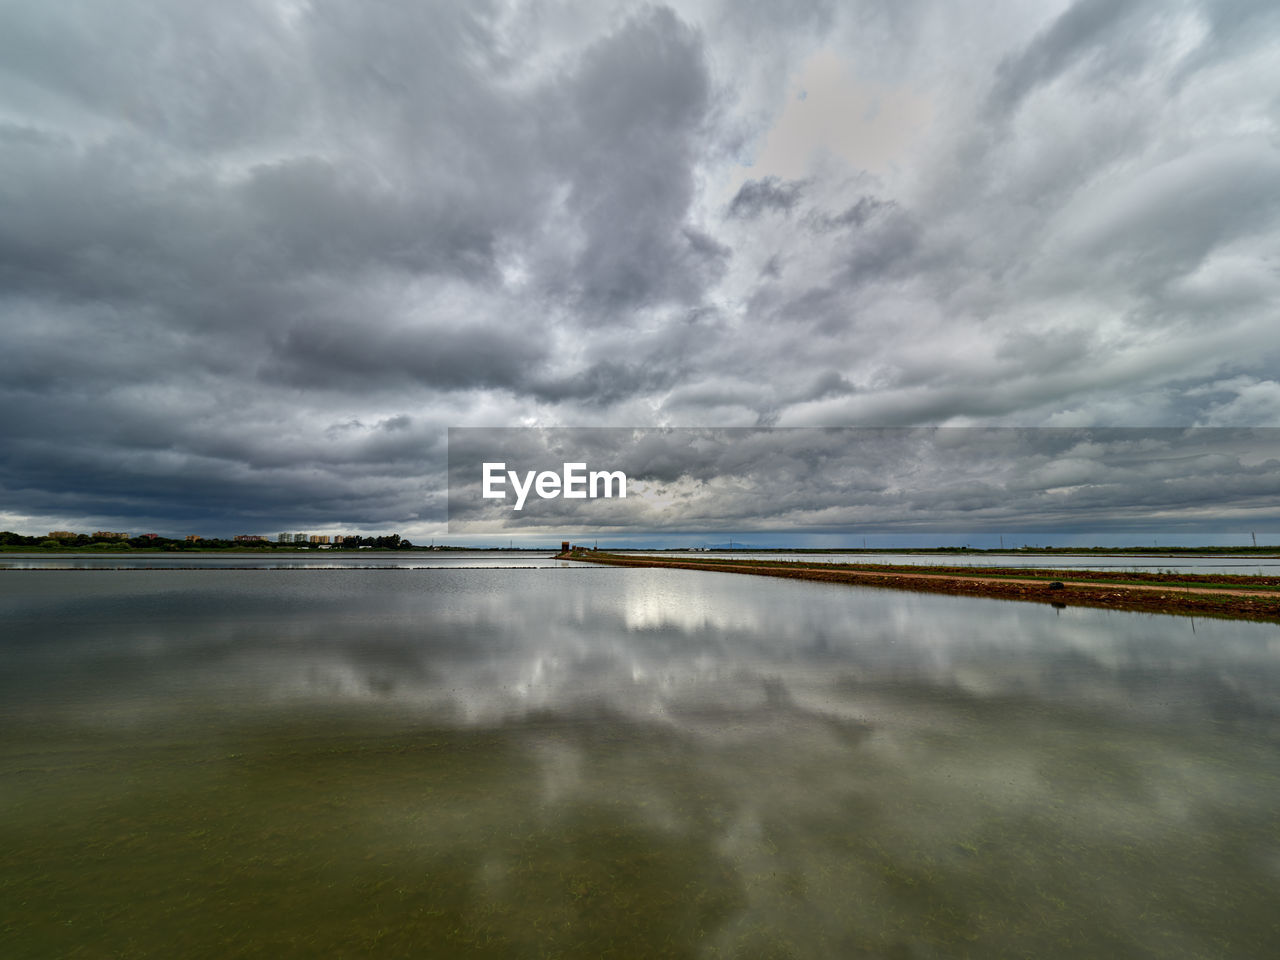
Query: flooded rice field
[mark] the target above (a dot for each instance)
(586, 762)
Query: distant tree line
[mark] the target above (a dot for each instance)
(8, 538)
(391, 541)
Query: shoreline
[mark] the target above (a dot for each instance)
(1203, 595)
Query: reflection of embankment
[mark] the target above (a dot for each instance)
(1245, 598)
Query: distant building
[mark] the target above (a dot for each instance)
(319, 538)
(299, 538)
(254, 537)
(62, 535)
(148, 536)
(108, 535)
(284, 538)
(193, 537)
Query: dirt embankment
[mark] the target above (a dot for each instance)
(1247, 598)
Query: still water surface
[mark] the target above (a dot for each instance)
(589, 762)
(450, 560)
(317, 560)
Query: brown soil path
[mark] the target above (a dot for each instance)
(1220, 599)
(1066, 584)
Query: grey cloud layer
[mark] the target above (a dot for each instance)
(962, 479)
(255, 257)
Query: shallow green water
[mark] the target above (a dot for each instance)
(624, 763)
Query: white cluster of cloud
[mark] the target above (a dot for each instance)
(256, 256)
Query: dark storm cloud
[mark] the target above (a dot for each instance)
(856, 215)
(1086, 29)
(447, 356)
(417, 162)
(1235, 26)
(634, 109)
(237, 241)
(756, 196)
(606, 381)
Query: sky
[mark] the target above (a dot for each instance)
(257, 257)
